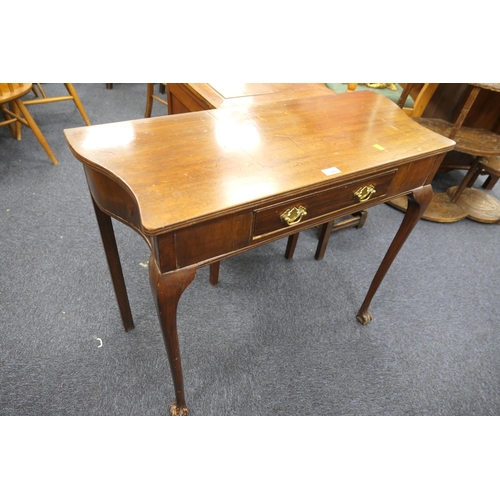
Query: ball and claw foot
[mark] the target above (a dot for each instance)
(177, 411)
(364, 317)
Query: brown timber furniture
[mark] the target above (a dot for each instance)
(189, 97)
(150, 97)
(440, 203)
(16, 113)
(201, 187)
(421, 99)
(481, 145)
(447, 103)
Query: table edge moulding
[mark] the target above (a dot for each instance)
(200, 187)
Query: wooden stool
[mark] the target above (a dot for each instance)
(480, 206)
(479, 143)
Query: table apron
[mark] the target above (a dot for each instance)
(208, 241)
(230, 234)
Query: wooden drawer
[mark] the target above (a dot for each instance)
(270, 219)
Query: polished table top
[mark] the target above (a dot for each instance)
(184, 168)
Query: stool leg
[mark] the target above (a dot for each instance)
(473, 179)
(467, 179)
(490, 182)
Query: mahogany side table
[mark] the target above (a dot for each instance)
(203, 186)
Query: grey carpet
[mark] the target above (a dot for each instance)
(275, 337)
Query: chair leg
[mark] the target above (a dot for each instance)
(34, 127)
(11, 125)
(15, 109)
(149, 99)
(78, 103)
(40, 89)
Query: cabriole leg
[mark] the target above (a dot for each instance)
(418, 201)
(167, 290)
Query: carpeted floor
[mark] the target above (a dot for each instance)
(275, 337)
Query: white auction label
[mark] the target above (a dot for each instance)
(331, 171)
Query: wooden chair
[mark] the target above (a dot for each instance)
(44, 99)
(150, 97)
(417, 105)
(421, 100)
(16, 113)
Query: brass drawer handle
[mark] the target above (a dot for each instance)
(365, 193)
(293, 215)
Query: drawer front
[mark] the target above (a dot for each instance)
(306, 208)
